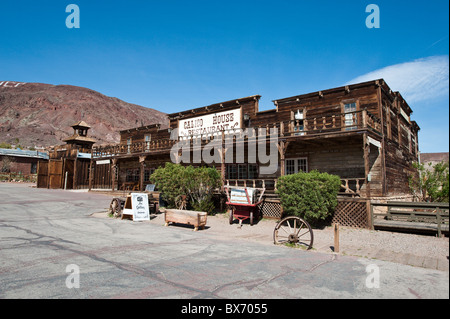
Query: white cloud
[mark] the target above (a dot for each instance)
(418, 80)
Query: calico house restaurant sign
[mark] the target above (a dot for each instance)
(210, 124)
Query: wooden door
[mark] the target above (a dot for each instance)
(42, 175)
(55, 174)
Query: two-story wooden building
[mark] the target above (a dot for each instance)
(362, 133)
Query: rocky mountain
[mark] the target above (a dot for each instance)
(37, 114)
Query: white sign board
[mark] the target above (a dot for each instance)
(210, 124)
(139, 206)
(239, 196)
(103, 162)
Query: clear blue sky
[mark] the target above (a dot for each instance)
(176, 55)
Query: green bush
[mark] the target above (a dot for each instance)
(200, 184)
(311, 196)
(170, 183)
(196, 183)
(431, 183)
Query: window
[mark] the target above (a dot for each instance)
(147, 139)
(33, 169)
(252, 171)
(147, 173)
(129, 144)
(231, 172)
(350, 116)
(299, 128)
(241, 171)
(296, 165)
(298, 122)
(133, 175)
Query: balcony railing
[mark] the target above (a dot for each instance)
(342, 122)
(133, 148)
(330, 123)
(349, 186)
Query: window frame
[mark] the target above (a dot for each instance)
(296, 166)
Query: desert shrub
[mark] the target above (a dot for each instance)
(431, 182)
(169, 181)
(196, 183)
(311, 196)
(200, 184)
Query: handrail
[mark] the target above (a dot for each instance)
(438, 210)
(330, 123)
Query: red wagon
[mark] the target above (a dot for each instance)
(243, 203)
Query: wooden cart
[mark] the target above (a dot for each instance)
(243, 203)
(119, 203)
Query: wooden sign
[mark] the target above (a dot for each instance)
(210, 124)
(140, 208)
(136, 205)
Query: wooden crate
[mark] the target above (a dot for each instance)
(188, 217)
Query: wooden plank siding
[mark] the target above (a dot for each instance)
(375, 142)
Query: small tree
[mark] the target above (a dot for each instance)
(431, 182)
(312, 196)
(169, 180)
(6, 164)
(195, 185)
(200, 184)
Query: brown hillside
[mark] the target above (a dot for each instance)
(41, 114)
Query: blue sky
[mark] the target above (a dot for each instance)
(176, 55)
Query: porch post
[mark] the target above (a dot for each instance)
(114, 173)
(282, 146)
(141, 175)
(366, 149)
(222, 160)
(75, 172)
(91, 173)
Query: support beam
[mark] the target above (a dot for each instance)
(75, 172)
(91, 172)
(282, 147)
(114, 174)
(141, 172)
(366, 148)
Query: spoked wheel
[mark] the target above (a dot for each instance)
(231, 216)
(115, 208)
(295, 231)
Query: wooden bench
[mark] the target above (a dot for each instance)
(429, 217)
(188, 217)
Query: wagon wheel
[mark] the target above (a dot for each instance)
(251, 218)
(231, 217)
(293, 230)
(115, 208)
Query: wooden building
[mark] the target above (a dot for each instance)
(69, 164)
(362, 133)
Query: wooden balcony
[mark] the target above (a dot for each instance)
(132, 149)
(343, 123)
(330, 123)
(350, 187)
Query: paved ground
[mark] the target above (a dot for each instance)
(44, 231)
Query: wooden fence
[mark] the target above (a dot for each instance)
(411, 216)
(352, 212)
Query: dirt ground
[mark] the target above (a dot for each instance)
(410, 249)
